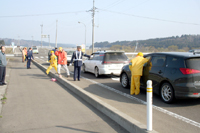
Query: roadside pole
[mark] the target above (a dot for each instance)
(149, 105)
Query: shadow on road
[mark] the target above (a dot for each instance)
(76, 129)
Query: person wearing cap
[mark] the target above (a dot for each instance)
(3, 64)
(53, 62)
(136, 67)
(77, 58)
(62, 60)
(29, 57)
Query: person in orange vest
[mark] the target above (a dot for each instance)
(62, 60)
(53, 62)
(136, 67)
(25, 52)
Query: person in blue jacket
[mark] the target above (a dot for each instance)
(29, 57)
(77, 58)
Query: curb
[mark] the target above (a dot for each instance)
(119, 117)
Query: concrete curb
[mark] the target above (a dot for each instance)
(121, 118)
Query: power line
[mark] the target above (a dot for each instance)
(114, 4)
(32, 15)
(158, 19)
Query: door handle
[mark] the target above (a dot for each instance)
(160, 72)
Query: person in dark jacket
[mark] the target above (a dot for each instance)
(29, 57)
(3, 64)
(77, 57)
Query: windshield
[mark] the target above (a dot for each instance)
(115, 57)
(69, 52)
(34, 48)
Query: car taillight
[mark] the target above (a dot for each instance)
(106, 62)
(189, 71)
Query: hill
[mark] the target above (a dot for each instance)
(164, 44)
(29, 43)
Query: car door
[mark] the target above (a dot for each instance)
(91, 62)
(157, 70)
(146, 68)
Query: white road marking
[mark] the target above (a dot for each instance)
(41, 57)
(182, 118)
(36, 57)
(46, 56)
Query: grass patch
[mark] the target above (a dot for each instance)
(4, 98)
(3, 102)
(1, 116)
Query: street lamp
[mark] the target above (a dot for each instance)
(85, 30)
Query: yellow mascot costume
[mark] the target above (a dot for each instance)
(136, 67)
(53, 62)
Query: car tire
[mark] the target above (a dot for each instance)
(96, 72)
(84, 68)
(124, 80)
(167, 93)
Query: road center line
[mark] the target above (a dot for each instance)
(182, 118)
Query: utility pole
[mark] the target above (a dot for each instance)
(32, 40)
(56, 31)
(85, 31)
(93, 10)
(18, 40)
(49, 40)
(41, 33)
(93, 27)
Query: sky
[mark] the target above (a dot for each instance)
(115, 20)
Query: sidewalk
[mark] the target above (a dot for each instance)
(35, 104)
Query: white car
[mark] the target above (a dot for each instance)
(105, 63)
(35, 50)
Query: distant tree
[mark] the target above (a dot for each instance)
(2, 42)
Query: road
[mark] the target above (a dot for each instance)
(182, 115)
(35, 104)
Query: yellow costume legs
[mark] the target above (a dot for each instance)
(55, 67)
(49, 68)
(135, 83)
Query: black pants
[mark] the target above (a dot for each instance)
(77, 71)
(2, 74)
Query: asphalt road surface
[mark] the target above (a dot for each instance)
(35, 104)
(185, 111)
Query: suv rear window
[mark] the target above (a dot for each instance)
(115, 57)
(193, 63)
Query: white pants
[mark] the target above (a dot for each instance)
(65, 67)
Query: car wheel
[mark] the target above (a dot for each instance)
(167, 93)
(124, 80)
(96, 72)
(84, 68)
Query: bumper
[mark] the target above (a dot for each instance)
(182, 95)
(109, 72)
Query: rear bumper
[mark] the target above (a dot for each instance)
(182, 95)
(109, 72)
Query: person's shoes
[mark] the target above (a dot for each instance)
(4, 84)
(78, 79)
(1, 84)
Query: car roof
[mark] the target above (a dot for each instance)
(178, 54)
(103, 52)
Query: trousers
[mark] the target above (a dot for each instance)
(135, 84)
(28, 63)
(2, 74)
(50, 67)
(77, 72)
(65, 67)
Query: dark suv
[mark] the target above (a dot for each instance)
(174, 75)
